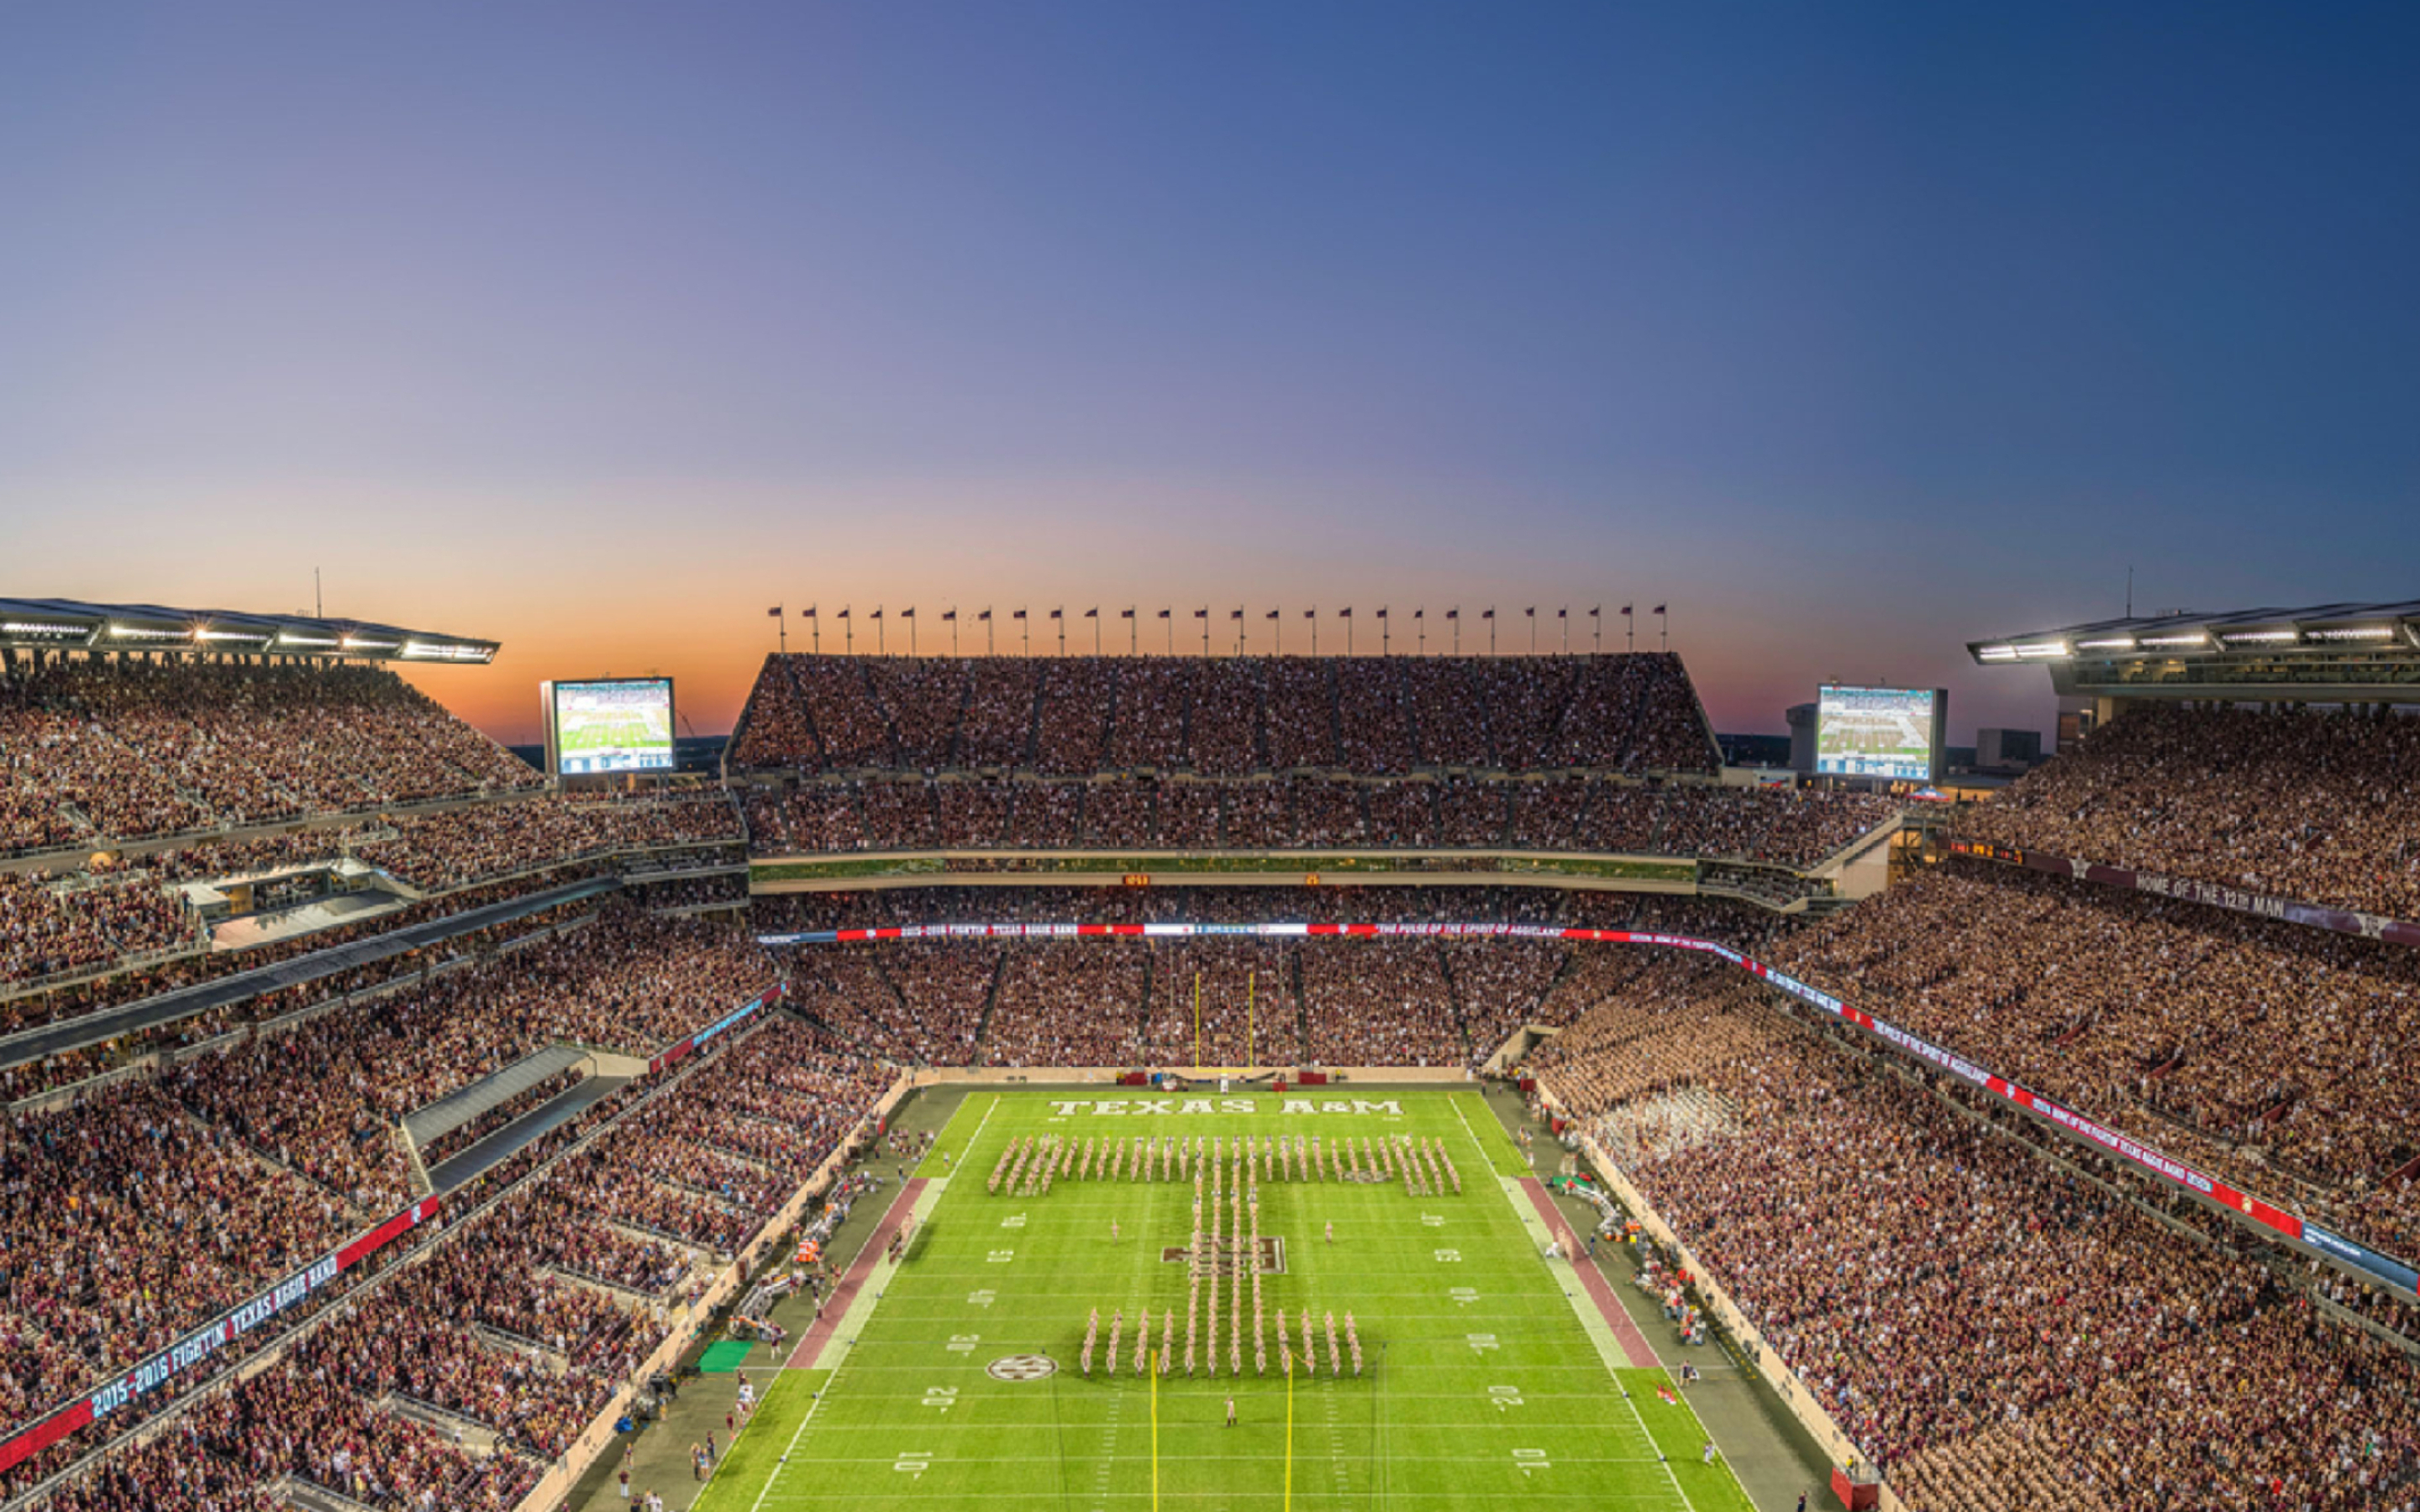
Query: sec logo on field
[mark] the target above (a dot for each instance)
(1022, 1367)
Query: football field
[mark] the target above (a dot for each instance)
(611, 733)
(953, 1378)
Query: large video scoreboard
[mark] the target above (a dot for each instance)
(1889, 733)
(612, 725)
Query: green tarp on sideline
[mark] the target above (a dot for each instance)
(725, 1357)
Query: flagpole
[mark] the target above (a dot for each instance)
(782, 617)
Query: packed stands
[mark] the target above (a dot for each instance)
(522, 1323)
(1408, 1002)
(2313, 806)
(60, 927)
(1301, 812)
(1077, 715)
(2280, 1055)
(94, 751)
(323, 1098)
(1993, 1328)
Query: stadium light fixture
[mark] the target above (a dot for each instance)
(356, 643)
(2195, 639)
(289, 638)
(204, 633)
(2123, 643)
(2043, 649)
(428, 652)
(2253, 638)
(2363, 632)
(1999, 653)
(131, 632)
(31, 627)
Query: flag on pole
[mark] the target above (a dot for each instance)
(1311, 614)
(1625, 611)
(1344, 614)
(1659, 608)
(807, 613)
(949, 614)
(774, 612)
(877, 614)
(843, 614)
(1058, 614)
(1273, 614)
(1163, 614)
(1092, 614)
(1453, 614)
(1126, 614)
(1419, 613)
(1201, 613)
(908, 613)
(1018, 614)
(1597, 612)
(1487, 614)
(1531, 613)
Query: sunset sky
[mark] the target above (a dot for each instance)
(1852, 332)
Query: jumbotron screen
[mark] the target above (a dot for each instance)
(621, 725)
(1890, 733)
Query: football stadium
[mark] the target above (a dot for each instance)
(1228, 1081)
(1077, 756)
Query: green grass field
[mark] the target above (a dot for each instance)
(597, 733)
(1482, 1385)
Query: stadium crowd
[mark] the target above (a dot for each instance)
(52, 929)
(2282, 1056)
(93, 750)
(325, 1096)
(1994, 1329)
(2296, 804)
(1433, 1002)
(1297, 812)
(1075, 716)
(73, 925)
(521, 1322)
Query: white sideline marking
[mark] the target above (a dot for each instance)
(1509, 1186)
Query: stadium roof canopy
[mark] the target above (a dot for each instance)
(2327, 654)
(63, 624)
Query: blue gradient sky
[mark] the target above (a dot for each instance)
(1853, 332)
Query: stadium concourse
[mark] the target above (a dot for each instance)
(386, 1124)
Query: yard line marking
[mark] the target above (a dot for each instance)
(1505, 1184)
(767, 1489)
